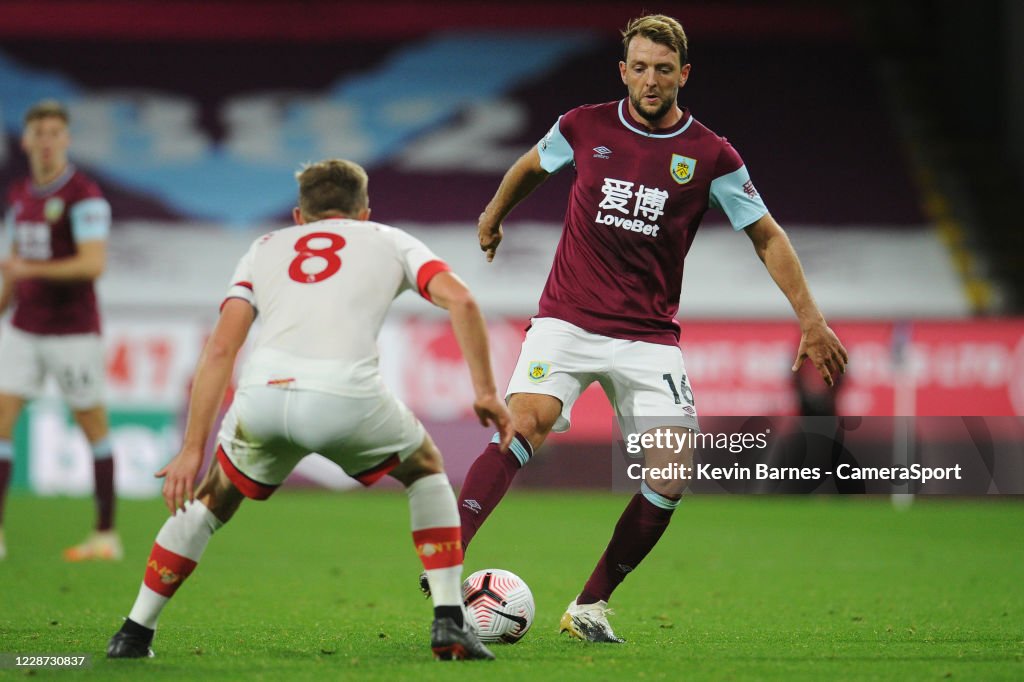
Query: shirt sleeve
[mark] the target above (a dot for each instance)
(555, 151)
(90, 219)
(241, 281)
(418, 261)
(733, 191)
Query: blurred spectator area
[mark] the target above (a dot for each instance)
(953, 72)
(199, 113)
(435, 99)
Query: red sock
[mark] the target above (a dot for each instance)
(487, 482)
(5, 478)
(166, 571)
(438, 547)
(637, 531)
(103, 472)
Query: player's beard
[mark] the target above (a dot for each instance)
(657, 114)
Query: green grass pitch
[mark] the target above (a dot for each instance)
(323, 586)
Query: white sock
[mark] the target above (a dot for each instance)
(446, 585)
(437, 533)
(178, 548)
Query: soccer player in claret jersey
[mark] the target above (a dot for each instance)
(646, 172)
(59, 221)
(322, 289)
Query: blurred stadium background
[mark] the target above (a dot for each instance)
(888, 138)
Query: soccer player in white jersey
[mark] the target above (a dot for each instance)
(646, 172)
(321, 289)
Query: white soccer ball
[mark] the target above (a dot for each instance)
(500, 605)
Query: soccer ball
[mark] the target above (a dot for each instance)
(500, 605)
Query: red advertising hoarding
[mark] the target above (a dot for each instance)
(946, 368)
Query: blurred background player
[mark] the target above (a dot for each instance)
(60, 222)
(322, 289)
(646, 172)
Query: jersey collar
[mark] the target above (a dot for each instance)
(53, 185)
(681, 125)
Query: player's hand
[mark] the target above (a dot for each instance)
(490, 234)
(490, 409)
(820, 344)
(179, 478)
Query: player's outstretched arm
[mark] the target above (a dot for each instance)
(88, 264)
(520, 180)
(817, 341)
(213, 373)
(6, 290)
(6, 281)
(449, 292)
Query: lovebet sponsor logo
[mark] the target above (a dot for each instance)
(631, 224)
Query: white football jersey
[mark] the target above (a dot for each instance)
(321, 291)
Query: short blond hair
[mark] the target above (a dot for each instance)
(658, 28)
(47, 108)
(332, 186)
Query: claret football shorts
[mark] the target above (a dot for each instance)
(268, 429)
(76, 361)
(642, 380)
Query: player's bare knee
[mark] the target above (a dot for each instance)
(679, 456)
(425, 461)
(10, 409)
(93, 422)
(672, 489)
(221, 504)
(219, 494)
(534, 415)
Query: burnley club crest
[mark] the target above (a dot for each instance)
(682, 168)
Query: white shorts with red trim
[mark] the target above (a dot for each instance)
(270, 428)
(641, 379)
(76, 361)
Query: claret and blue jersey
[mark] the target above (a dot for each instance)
(47, 223)
(634, 209)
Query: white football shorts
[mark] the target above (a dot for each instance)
(76, 361)
(268, 429)
(642, 380)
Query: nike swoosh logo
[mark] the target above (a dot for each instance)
(515, 619)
